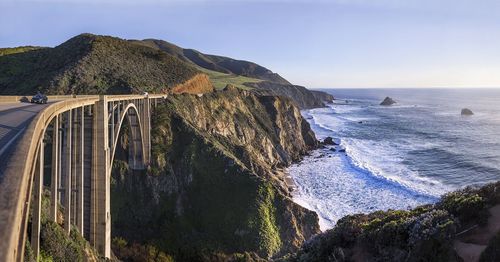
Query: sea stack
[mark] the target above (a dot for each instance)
(466, 112)
(388, 102)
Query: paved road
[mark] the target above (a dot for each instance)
(14, 118)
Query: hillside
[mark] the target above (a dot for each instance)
(90, 64)
(213, 188)
(216, 63)
(243, 74)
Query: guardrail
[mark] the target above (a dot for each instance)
(15, 99)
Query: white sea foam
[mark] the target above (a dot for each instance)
(330, 187)
(384, 161)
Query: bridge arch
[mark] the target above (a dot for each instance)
(136, 141)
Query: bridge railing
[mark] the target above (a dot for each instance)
(16, 182)
(15, 186)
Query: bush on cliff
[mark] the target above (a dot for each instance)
(210, 188)
(422, 234)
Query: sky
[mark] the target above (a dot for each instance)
(318, 44)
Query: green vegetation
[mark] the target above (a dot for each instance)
(15, 50)
(209, 192)
(136, 252)
(221, 64)
(55, 244)
(242, 74)
(220, 80)
(266, 221)
(425, 233)
(90, 64)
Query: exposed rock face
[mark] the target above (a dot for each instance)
(304, 98)
(466, 112)
(388, 102)
(213, 185)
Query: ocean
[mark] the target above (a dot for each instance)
(400, 156)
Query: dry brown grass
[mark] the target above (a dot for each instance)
(199, 84)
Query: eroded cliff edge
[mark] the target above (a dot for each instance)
(214, 185)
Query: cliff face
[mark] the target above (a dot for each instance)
(304, 97)
(213, 186)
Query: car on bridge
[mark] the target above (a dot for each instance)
(39, 98)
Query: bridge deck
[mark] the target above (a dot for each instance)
(14, 118)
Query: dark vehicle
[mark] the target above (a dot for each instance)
(39, 98)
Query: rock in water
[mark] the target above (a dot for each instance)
(388, 101)
(329, 141)
(466, 112)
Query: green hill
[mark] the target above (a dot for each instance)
(243, 74)
(220, 64)
(92, 64)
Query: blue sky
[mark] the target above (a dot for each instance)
(336, 43)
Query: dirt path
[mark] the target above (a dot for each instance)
(470, 245)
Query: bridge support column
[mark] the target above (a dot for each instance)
(37, 202)
(67, 156)
(80, 169)
(146, 131)
(101, 171)
(54, 184)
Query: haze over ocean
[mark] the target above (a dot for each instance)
(399, 156)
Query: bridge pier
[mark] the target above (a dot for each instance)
(146, 129)
(54, 183)
(80, 154)
(37, 201)
(67, 171)
(100, 230)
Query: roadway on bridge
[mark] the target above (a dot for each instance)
(14, 118)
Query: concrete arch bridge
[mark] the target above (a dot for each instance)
(80, 135)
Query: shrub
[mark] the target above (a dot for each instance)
(465, 204)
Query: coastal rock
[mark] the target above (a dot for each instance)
(388, 102)
(466, 112)
(329, 141)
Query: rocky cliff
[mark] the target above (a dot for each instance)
(214, 186)
(304, 97)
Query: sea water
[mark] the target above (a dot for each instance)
(399, 156)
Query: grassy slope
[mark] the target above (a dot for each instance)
(16, 50)
(221, 80)
(90, 64)
(215, 63)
